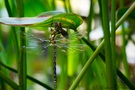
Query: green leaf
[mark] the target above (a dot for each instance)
(67, 20)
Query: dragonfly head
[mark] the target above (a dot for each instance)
(60, 30)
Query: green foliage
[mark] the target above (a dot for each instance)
(77, 67)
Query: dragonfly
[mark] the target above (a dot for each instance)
(59, 22)
(59, 38)
(38, 45)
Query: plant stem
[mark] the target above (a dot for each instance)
(126, 67)
(91, 14)
(107, 45)
(22, 69)
(113, 46)
(8, 81)
(2, 83)
(67, 6)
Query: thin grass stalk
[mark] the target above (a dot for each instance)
(20, 8)
(113, 46)
(53, 4)
(8, 81)
(22, 69)
(67, 6)
(97, 51)
(126, 67)
(125, 80)
(8, 8)
(91, 13)
(124, 17)
(2, 83)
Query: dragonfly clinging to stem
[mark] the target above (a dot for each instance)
(55, 42)
(54, 32)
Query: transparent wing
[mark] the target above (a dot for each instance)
(37, 49)
(72, 38)
(43, 49)
(32, 37)
(36, 45)
(72, 48)
(59, 39)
